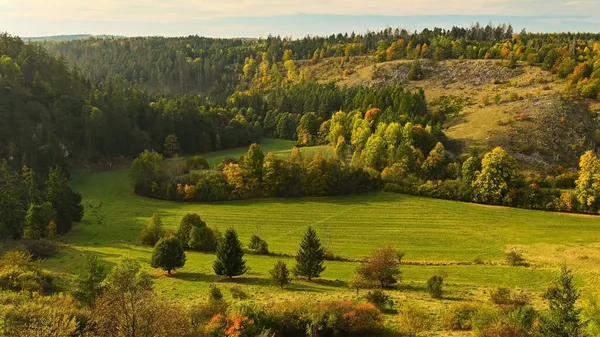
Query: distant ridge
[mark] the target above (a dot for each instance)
(65, 37)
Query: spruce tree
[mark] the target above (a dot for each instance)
(89, 281)
(230, 255)
(153, 231)
(65, 201)
(12, 208)
(280, 274)
(168, 254)
(309, 260)
(563, 317)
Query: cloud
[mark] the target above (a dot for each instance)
(193, 10)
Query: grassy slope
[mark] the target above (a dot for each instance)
(436, 232)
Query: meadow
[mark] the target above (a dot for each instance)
(438, 237)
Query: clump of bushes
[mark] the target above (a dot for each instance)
(380, 299)
(18, 272)
(197, 163)
(40, 249)
(515, 258)
(504, 296)
(258, 245)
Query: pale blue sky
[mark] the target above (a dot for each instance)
(297, 18)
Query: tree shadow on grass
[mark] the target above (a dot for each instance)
(195, 277)
(331, 283)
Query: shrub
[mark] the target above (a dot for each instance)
(280, 274)
(153, 231)
(460, 317)
(383, 267)
(346, 318)
(188, 222)
(258, 245)
(238, 293)
(434, 286)
(203, 239)
(214, 293)
(413, 320)
(514, 258)
(501, 296)
(19, 273)
(197, 163)
(40, 249)
(380, 299)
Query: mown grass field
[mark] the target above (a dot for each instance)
(438, 237)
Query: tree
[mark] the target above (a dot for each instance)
(280, 274)
(434, 286)
(382, 267)
(12, 209)
(230, 256)
(587, 187)
(64, 200)
(253, 161)
(89, 281)
(146, 172)
(374, 153)
(471, 167)
(168, 254)
(415, 72)
(37, 220)
(498, 173)
(563, 318)
(153, 231)
(432, 166)
(188, 222)
(310, 257)
(258, 245)
(171, 147)
(202, 239)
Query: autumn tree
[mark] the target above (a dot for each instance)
(374, 154)
(230, 256)
(383, 267)
(168, 254)
(310, 257)
(471, 167)
(587, 187)
(433, 164)
(498, 173)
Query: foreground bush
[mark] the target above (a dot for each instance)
(18, 272)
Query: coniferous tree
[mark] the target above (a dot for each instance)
(280, 274)
(12, 209)
(563, 317)
(310, 257)
(188, 222)
(153, 231)
(230, 256)
(65, 201)
(89, 281)
(168, 254)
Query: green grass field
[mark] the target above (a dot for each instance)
(437, 236)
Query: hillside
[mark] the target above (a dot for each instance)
(487, 104)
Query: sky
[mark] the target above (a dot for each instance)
(294, 18)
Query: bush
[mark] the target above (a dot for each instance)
(153, 231)
(40, 249)
(346, 318)
(258, 245)
(504, 296)
(413, 320)
(187, 223)
(238, 293)
(434, 286)
(168, 254)
(514, 258)
(280, 274)
(380, 299)
(214, 294)
(203, 239)
(460, 317)
(197, 163)
(19, 273)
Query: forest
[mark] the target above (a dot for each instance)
(180, 122)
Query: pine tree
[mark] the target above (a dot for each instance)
(65, 201)
(168, 254)
(563, 317)
(89, 281)
(230, 255)
(309, 260)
